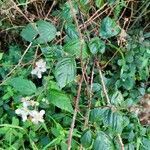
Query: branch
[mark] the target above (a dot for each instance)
(90, 98)
(103, 83)
(89, 101)
(120, 141)
(75, 110)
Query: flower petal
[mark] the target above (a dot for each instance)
(34, 71)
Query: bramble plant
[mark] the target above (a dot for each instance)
(74, 75)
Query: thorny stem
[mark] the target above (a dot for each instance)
(75, 110)
(75, 19)
(107, 98)
(103, 83)
(88, 22)
(120, 141)
(94, 16)
(81, 81)
(90, 98)
(78, 28)
(89, 101)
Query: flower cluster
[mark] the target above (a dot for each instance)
(40, 67)
(27, 111)
(122, 38)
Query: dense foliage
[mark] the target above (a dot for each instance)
(73, 74)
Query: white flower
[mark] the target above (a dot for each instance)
(39, 68)
(23, 113)
(27, 102)
(30, 112)
(122, 37)
(37, 116)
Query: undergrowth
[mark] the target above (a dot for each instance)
(73, 75)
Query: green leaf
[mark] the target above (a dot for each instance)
(113, 120)
(97, 115)
(46, 31)
(71, 31)
(60, 100)
(54, 51)
(85, 6)
(1, 56)
(24, 86)
(129, 146)
(58, 131)
(96, 45)
(64, 145)
(15, 121)
(53, 85)
(129, 57)
(86, 139)
(128, 83)
(29, 33)
(96, 87)
(66, 13)
(8, 93)
(65, 71)
(109, 28)
(111, 2)
(110, 119)
(99, 3)
(103, 142)
(145, 145)
(117, 98)
(74, 47)
(39, 32)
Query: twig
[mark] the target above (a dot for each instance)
(130, 18)
(89, 101)
(83, 22)
(103, 83)
(75, 111)
(6, 78)
(75, 19)
(19, 10)
(110, 59)
(87, 23)
(81, 81)
(120, 141)
(54, 2)
(78, 28)
(90, 98)
(94, 16)
(127, 3)
(140, 15)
